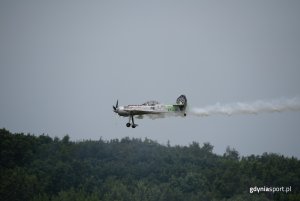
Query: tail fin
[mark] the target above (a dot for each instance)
(181, 100)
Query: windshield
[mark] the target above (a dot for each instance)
(151, 103)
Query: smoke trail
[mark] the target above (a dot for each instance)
(256, 107)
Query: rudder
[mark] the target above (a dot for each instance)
(182, 101)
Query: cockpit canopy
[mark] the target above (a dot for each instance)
(151, 103)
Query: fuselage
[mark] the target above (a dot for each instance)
(146, 109)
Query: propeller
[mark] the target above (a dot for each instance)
(116, 107)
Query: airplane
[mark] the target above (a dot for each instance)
(152, 108)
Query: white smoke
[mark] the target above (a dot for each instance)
(280, 105)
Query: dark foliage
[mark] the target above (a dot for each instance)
(46, 169)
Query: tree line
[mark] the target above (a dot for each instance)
(42, 168)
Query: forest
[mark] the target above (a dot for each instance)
(42, 168)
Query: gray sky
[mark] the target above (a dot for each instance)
(63, 64)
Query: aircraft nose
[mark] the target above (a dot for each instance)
(115, 109)
(120, 110)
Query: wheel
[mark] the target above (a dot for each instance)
(133, 126)
(128, 124)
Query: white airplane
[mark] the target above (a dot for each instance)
(152, 108)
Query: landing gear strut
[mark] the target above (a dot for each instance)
(133, 125)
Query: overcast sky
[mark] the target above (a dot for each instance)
(63, 64)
